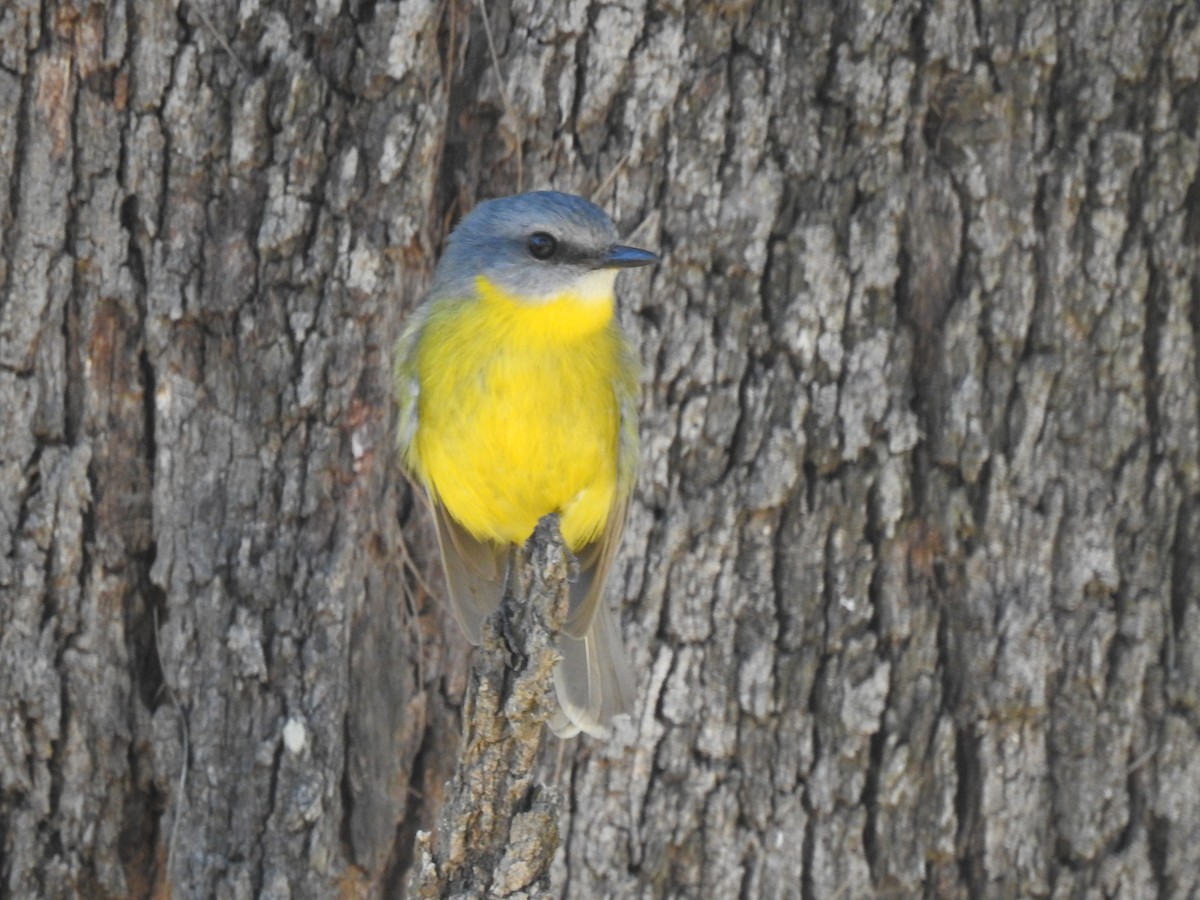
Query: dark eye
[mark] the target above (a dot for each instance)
(542, 245)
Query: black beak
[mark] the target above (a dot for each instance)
(619, 257)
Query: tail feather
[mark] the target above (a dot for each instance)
(593, 681)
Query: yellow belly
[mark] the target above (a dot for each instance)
(518, 415)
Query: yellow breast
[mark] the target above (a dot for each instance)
(517, 412)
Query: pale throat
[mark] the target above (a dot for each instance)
(596, 287)
(581, 309)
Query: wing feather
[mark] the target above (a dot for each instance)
(475, 572)
(594, 681)
(596, 558)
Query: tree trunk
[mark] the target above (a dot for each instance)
(910, 580)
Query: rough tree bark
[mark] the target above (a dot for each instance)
(498, 829)
(910, 582)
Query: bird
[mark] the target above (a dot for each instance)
(517, 391)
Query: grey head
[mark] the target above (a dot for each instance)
(533, 245)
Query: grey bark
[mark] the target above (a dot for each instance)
(910, 581)
(498, 829)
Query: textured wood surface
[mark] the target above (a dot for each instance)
(910, 583)
(497, 831)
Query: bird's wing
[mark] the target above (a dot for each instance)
(594, 681)
(475, 572)
(596, 558)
